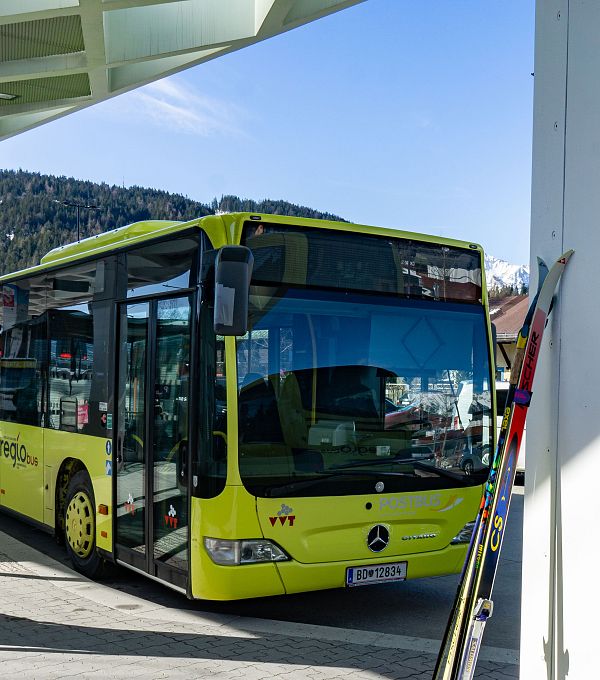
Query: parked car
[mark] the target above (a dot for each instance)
(475, 460)
(402, 417)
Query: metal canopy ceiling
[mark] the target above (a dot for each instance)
(58, 56)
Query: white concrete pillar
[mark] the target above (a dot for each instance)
(559, 628)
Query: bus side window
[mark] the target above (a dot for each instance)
(23, 360)
(71, 367)
(162, 267)
(79, 304)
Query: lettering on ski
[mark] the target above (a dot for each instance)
(502, 507)
(473, 605)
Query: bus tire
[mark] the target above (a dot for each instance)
(80, 526)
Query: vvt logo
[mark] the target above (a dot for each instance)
(284, 515)
(129, 504)
(171, 518)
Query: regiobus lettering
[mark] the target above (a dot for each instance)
(17, 453)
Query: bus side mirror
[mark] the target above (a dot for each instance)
(233, 271)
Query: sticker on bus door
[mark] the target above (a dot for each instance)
(82, 415)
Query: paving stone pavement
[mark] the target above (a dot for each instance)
(55, 623)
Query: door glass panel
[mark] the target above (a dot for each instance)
(131, 459)
(170, 418)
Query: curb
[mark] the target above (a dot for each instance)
(74, 583)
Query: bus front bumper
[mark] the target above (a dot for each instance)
(261, 580)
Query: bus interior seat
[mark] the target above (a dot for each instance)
(350, 394)
(258, 414)
(291, 412)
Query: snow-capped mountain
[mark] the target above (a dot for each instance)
(499, 273)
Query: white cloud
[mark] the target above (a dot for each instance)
(179, 107)
(424, 121)
(167, 87)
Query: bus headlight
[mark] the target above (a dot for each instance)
(464, 535)
(228, 553)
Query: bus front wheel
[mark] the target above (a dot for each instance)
(80, 526)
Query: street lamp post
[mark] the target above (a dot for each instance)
(78, 207)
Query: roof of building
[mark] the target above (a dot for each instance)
(508, 315)
(58, 56)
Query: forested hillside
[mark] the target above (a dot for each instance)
(32, 222)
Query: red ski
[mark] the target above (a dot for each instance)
(473, 605)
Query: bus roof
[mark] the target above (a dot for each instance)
(229, 224)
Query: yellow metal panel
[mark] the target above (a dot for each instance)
(324, 537)
(96, 454)
(231, 515)
(300, 578)
(235, 221)
(214, 227)
(117, 238)
(335, 529)
(49, 495)
(233, 473)
(22, 469)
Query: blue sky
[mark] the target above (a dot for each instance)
(414, 114)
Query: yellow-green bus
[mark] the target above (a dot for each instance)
(247, 405)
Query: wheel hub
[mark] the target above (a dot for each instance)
(79, 524)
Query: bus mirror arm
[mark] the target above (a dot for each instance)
(233, 271)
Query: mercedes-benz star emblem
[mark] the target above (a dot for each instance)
(379, 487)
(378, 538)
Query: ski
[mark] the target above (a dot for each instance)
(473, 605)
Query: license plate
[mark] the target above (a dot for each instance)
(376, 573)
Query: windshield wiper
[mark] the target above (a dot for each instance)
(379, 461)
(440, 472)
(276, 491)
(420, 464)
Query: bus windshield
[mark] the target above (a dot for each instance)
(340, 390)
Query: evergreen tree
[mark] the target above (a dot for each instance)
(33, 220)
